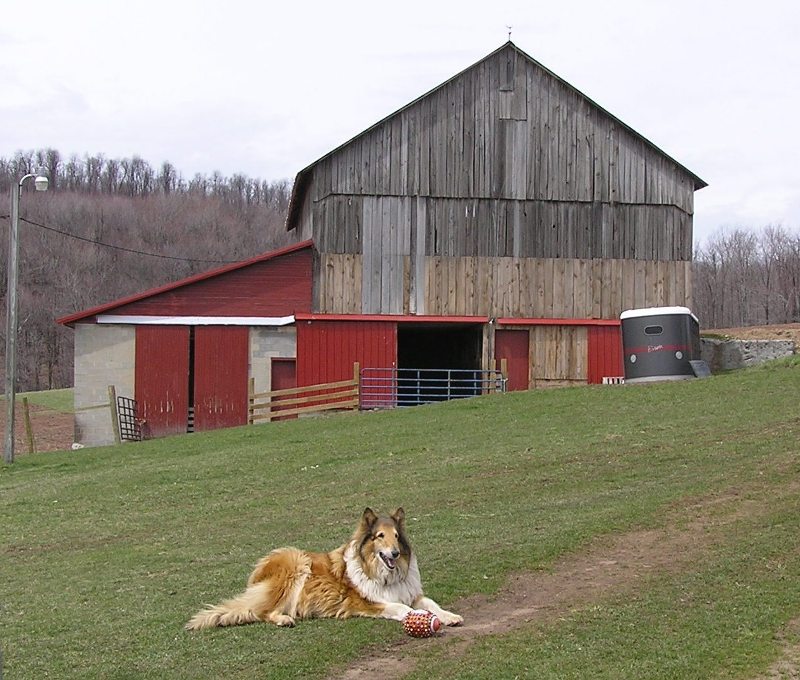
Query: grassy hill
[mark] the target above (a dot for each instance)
(55, 400)
(107, 552)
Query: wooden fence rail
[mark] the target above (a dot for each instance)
(268, 406)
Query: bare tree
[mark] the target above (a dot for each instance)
(94, 173)
(743, 277)
(167, 178)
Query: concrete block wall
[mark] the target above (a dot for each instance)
(104, 355)
(266, 343)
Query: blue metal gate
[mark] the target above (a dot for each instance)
(391, 387)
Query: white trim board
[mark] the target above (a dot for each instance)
(196, 320)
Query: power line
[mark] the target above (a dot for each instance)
(116, 247)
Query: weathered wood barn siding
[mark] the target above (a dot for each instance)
(503, 192)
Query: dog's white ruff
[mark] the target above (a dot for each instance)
(392, 589)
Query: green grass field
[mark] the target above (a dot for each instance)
(107, 552)
(55, 400)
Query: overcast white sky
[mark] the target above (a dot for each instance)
(266, 88)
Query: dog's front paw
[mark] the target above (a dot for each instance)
(450, 619)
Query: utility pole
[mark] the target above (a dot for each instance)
(40, 182)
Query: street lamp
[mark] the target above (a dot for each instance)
(40, 182)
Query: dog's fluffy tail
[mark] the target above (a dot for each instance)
(234, 612)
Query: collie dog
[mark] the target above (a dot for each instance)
(375, 574)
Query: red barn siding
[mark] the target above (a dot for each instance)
(221, 355)
(513, 346)
(326, 350)
(605, 353)
(284, 377)
(276, 287)
(162, 378)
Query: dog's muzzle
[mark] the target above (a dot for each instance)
(390, 560)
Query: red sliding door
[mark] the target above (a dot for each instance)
(221, 356)
(162, 378)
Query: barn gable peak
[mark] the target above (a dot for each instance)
(504, 78)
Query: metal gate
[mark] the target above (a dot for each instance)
(130, 425)
(391, 387)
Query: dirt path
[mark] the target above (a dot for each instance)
(612, 566)
(52, 431)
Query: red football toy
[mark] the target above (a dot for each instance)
(420, 623)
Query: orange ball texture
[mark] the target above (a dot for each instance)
(421, 624)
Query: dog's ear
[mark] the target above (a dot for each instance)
(399, 516)
(368, 519)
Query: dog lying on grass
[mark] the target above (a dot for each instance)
(375, 574)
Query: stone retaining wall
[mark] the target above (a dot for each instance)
(725, 355)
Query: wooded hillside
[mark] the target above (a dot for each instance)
(162, 227)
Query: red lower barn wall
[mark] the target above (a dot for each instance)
(215, 381)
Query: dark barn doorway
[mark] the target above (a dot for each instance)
(438, 362)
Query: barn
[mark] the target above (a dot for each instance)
(185, 351)
(502, 215)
